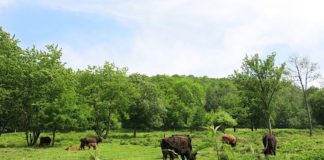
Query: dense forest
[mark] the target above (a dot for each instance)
(38, 93)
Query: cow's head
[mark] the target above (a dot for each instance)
(192, 155)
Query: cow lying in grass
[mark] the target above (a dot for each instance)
(177, 145)
(72, 148)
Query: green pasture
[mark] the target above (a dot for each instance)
(293, 144)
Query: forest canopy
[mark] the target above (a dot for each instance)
(39, 93)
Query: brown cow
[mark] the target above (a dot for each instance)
(229, 139)
(87, 140)
(270, 144)
(93, 145)
(177, 145)
(72, 148)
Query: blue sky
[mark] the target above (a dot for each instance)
(208, 37)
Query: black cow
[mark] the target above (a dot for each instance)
(45, 141)
(177, 145)
(89, 141)
(270, 144)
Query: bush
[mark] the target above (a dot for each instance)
(123, 143)
(221, 118)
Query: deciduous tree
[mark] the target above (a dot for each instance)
(261, 79)
(304, 71)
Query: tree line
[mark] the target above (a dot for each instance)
(39, 93)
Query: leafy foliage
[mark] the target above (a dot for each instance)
(221, 118)
(261, 79)
(39, 94)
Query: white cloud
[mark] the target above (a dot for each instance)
(202, 37)
(6, 3)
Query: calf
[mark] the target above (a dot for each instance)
(90, 142)
(72, 148)
(270, 144)
(229, 139)
(45, 141)
(177, 145)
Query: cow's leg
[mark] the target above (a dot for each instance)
(274, 153)
(182, 157)
(171, 156)
(165, 155)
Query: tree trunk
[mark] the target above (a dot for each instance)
(222, 128)
(234, 128)
(269, 124)
(34, 139)
(108, 126)
(27, 139)
(53, 138)
(309, 118)
(3, 126)
(98, 130)
(308, 112)
(107, 133)
(134, 132)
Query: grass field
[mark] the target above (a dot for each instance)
(293, 144)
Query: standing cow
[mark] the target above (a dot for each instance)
(45, 141)
(229, 139)
(270, 144)
(90, 142)
(177, 145)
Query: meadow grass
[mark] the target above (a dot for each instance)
(293, 144)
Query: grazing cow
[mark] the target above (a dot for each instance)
(45, 141)
(229, 139)
(270, 144)
(177, 145)
(93, 145)
(90, 141)
(72, 148)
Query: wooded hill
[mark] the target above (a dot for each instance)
(39, 93)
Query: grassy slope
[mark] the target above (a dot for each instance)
(292, 144)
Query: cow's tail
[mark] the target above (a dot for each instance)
(267, 143)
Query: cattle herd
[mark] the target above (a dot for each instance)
(174, 146)
(181, 145)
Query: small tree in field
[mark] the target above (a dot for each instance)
(213, 129)
(221, 118)
(147, 109)
(303, 71)
(261, 79)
